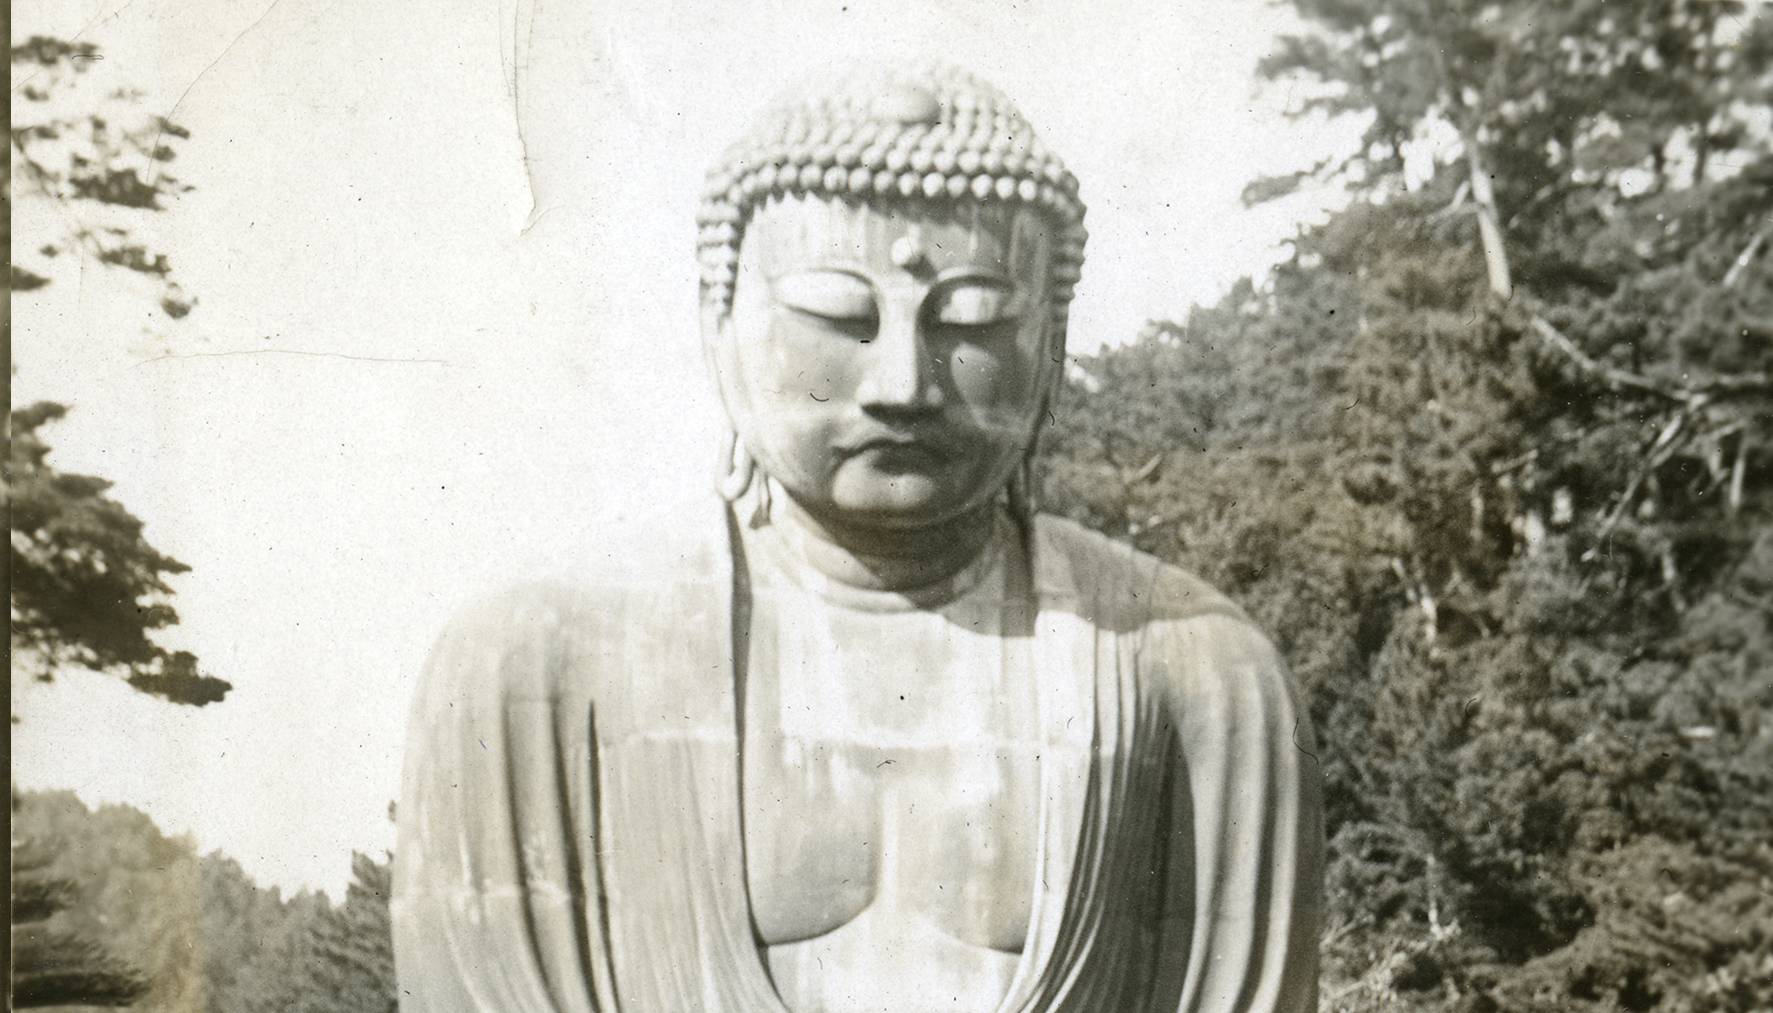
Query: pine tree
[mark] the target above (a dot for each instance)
(87, 589)
(51, 965)
(106, 907)
(351, 947)
(1491, 456)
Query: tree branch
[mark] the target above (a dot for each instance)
(1618, 379)
(1489, 221)
(1660, 451)
(1746, 257)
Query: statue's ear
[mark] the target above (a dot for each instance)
(717, 349)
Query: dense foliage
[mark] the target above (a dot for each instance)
(265, 954)
(1493, 458)
(351, 948)
(109, 912)
(56, 966)
(111, 905)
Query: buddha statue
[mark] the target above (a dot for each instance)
(882, 737)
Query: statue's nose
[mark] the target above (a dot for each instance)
(901, 367)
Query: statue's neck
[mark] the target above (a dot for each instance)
(879, 559)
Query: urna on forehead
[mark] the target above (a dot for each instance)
(888, 137)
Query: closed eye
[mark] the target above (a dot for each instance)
(974, 302)
(837, 296)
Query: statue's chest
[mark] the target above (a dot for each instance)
(891, 776)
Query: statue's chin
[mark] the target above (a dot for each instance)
(895, 500)
(888, 491)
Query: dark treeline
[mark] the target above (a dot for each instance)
(107, 911)
(1495, 464)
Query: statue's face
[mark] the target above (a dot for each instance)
(888, 367)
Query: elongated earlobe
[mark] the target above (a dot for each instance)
(760, 516)
(737, 469)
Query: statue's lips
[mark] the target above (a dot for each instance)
(902, 451)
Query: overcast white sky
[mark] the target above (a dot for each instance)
(391, 397)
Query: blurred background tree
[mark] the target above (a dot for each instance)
(98, 160)
(57, 967)
(107, 911)
(352, 947)
(86, 588)
(265, 954)
(254, 940)
(104, 907)
(1492, 455)
(110, 908)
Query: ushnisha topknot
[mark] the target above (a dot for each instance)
(919, 132)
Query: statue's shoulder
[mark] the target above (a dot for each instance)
(1177, 618)
(610, 571)
(592, 609)
(1072, 561)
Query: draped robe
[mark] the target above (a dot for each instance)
(570, 832)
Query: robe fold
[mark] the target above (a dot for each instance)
(570, 833)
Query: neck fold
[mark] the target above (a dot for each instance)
(925, 565)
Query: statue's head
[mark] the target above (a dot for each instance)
(887, 265)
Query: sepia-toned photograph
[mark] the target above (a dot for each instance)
(1226, 506)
